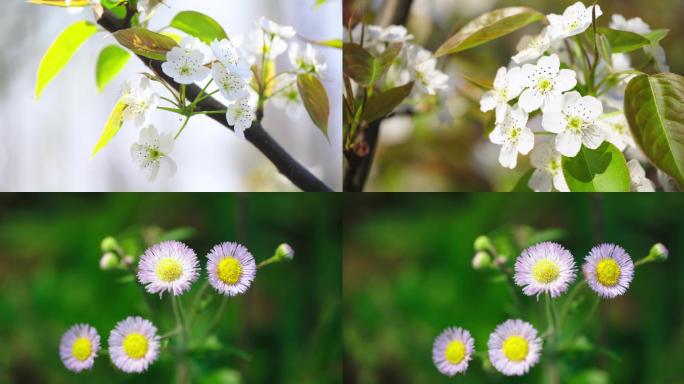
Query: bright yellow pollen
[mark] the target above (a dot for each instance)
(608, 272)
(169, 269)
(135, 345)
(455, 352)
(545, 85)
(81, 348)
(229, 270)
(545, 271)
(515, 348)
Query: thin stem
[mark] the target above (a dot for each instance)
(568, 302)
(175, 110)
(196, 302)
(217, 317)
(552, 332)
(169, 100)
(199, 95)
(182, 128)
(173, 332)
(206, 96)
(181, 367)
(182, 98)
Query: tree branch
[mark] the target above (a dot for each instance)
(256, 134)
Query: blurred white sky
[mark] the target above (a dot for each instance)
(45, 144)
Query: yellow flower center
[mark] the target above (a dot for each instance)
(169, 269)
(515, 348)
(607, 272)
(575, 123)
(545, 85)
(135, 345)
(545, 271)
(229, 270)
(455, 352)
(81, 349)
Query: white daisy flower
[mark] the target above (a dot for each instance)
(241, 114)
(616, 129)
(514, 347)
(133, 344)
(575, 20)
(78, 347)
(544, 83)
(139, 102)
(185, 64)
(574, 118)
(545, 268)
(532, 47)
(452, 351)
(514, 137)
(152, 151)
(169, 266)
(507, 86)
(287, 96)
(637, 176)
(422, 67)
(548, 171)
(307, 59)
(231, 268)
(273, 28)
(609, 270)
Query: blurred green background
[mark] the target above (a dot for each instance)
(408, 276)
(285, 329)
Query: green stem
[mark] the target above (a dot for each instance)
(175, 110)
(196, 302)
(568, 302)
(182, 98)
(181, 366)
(552, 332)
(217, 317)
(182, 128)
(199, 95)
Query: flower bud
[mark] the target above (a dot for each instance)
(284, 252)
(658, 252)
(482, 243)
(481, 260)
(109, 244)
(109, 260)
(500, 261)
(127, 261)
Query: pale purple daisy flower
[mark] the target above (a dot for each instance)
(133, 344)
(514, 347)
(168, 266)
(452, 351)
(231, 268)
(545, 268)
(608, 269)
(79, 346)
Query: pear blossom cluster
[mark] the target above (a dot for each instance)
(538, 107)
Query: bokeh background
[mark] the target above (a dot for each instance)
(408, 276)
(285, 329)
(45, 144)
(448, 151)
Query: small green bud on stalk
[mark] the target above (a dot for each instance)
(658, 252)
(284, 252)
(483, 243)
(109, 260)
(109, 244)
(482, 260)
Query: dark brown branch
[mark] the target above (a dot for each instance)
(256, 134)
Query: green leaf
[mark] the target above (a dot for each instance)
(334, 43)
(655, 112)
(488, 27)
(603, 169)
(604, 49)
(199, 25)
(315, 100)
(61, 3)
(61, 51)
(623, 41)
(145, 42)
(656, 35)
(383, 103)
(111, 128)
(110, 62)
(522, 184)
(365, 68)
(178, 234)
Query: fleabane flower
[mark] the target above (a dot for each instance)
(228, 54)
(532, 47)
(133, 344)
(452, 351)
(507, 86)
(514, 347)
(574, 118)
(514, 137)
(185, 64)
(575, 20)
(422, 68)
(241, 113)
(544, 268)
(616, 129)
(307, 59)
(231, 85)
(637, 177)
(609, 270)
(152, 151)
(273, 28)
(287, 96)
(231, 268)
(169, 266)
(78, 347)
(139, 102)
(548, 172)
(544, 83)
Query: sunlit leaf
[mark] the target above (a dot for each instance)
(315, 100)
(623, 41)
(109, 63)
(334, 43)
(383, 103)
(61, 51)
(656, 35)
(145, 42)
(603, 169)
(111, 128)
(365, 68)
(199, 25)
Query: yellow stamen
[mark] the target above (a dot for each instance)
(169, 269)
(229, 270)
(455, 352)
(135, 345)
(81, 348)
(545, 271)
(515, 348)
(608, 272)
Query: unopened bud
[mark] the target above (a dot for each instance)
(658, 252)
(109, 244)
(500, 261)
(482, 260)
(482, 243)
(127, 261)
(109, 260)
(284, 252)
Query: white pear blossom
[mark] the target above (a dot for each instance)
(638, 180)
(241, 114)
(287, 96)
(544, 83)
(634, 25)
(507, 86)
(531, 47)
(185, 64)
(394, 34)
(575, 20)
(228, 54)
(258, 43)
(616, 129)
(668, 183)
(139, 102)
(147, 7)
(514, 137)
(574, 118)
(273, 28)
(231, 86)
(307, 59)
(422, 69)
(548, 173)
(151, 152)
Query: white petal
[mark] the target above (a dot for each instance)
(549, 64)
(540, 181)
(592, 106)
(566, 80)
(501, 110)
(497, 136)
(559, 182)
(542, 155)
(501, 79)
(592, 136)
(568, 143)
(553, 120)
(488, 101)
(530, 100)
(526, 141)
(508, 157)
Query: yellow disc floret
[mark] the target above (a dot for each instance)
(515, 348)
(229, 270)
(455, 352)
(607, 272)
(81, 349)
(169, 269)
(545, 271)
(135, 345)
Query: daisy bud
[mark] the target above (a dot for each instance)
(284, 252)
(127, 261)
(109, 244)
(658, 252)
(109, 260)
(482, 260)
(482, 243)
(500, 261)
